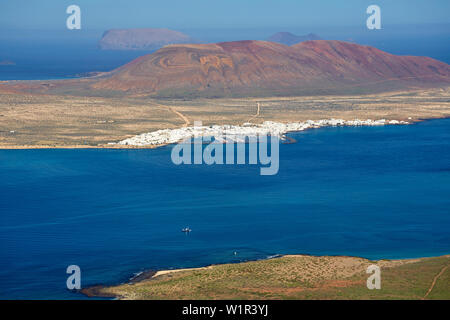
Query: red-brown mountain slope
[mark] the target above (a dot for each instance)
(259, 67)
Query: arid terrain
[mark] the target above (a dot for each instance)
(223, 83)
(261, 69)
(294, 277)
(40, 120)
(254, 69)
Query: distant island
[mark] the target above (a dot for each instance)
(141, 39)
(7, 63)
(257, 68)
(289, 39)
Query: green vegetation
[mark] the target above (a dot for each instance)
(297, 277)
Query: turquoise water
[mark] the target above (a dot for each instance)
(376, 192)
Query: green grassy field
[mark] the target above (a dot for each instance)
(297, 277)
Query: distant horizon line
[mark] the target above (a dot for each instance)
(279, 28)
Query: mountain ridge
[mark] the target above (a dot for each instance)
(255, 66)
(252, 68)
(289, 39)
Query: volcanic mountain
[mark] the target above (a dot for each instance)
(252, 68)
(141, 39)
(255, 68)
(289, 39)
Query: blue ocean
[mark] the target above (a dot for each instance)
(44, 60)
(374, 192)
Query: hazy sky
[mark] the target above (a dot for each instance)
(182, 14)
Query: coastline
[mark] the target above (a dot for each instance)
(238, 133)
(226, 132)
(443, 125)
(103, 146)
(75, 122)
(149, 277)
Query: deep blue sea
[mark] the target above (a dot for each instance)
(375, 192)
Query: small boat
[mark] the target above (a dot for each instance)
(187, 230)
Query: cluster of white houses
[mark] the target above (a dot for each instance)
(227, 133)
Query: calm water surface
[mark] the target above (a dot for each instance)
(376, 192)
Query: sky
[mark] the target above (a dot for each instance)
(417, 27)
(183, 14)
(35, 32)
